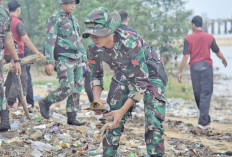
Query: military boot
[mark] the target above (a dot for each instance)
(44, 108)
(5, 123)
(72, 119)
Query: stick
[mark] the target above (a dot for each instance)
(22, 98)
(26, 60)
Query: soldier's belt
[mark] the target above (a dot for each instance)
(59, 50)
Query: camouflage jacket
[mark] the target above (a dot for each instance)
(63, 37)
(128, 55)
(5, 21)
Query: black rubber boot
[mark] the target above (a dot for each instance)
(5, 123)
(72, 119)
(44, 108)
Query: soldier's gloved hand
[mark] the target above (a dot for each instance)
(49, 69)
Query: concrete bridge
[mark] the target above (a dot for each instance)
(218, 26)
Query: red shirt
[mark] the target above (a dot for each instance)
(18, 31)
(198, 45)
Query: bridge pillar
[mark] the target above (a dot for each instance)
(225, 27)
(219, 29)
(212, 27)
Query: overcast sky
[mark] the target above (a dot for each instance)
(213, 8)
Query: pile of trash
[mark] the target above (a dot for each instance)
(220, 112)
(54, 137)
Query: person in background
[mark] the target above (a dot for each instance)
(6, 41)
(86, 75)
(30, 92)
(125, 20)
(21, 38)
(64, 49)
(197, 45)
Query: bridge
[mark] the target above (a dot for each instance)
(218, 26)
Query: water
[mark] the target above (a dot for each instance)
(217, 63)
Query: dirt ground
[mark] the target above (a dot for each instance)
(181, 138)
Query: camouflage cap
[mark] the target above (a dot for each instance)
(69, 1)
(101, 23)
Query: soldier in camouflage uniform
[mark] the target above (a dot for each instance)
(63, 47)
(128, 53)
(7, 42)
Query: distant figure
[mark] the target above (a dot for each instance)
(21, 38)
(65, 51)
(6, 41)
(198, 45)
(88, 89)
(125, 21)
(115, 80)
(30, 92)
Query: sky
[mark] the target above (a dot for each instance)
(214, 9)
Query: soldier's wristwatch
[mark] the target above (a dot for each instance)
(19, 61)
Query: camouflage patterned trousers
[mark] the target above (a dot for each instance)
(154, 116)
(69, 73)
(2, 95)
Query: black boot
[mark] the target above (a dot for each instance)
(44, 108)
(72, 119)
(5, 123)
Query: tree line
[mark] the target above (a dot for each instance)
(162, 23)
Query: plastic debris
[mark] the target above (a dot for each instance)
(59, 118)
(41, 146)
(40, 127)
(15, 125)
(132, 155)
(37, 118)
(38, 134)
(36, 153)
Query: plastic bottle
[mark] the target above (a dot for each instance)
(62, 119)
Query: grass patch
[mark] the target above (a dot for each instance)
(175, 89)
(44, 82)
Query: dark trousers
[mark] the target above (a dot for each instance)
(30, 93)
(11, 83)
(113, 85)
(202, 81)
(88, 88)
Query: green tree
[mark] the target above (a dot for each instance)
(162, 23)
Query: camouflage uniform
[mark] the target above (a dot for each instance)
(64, 48)
(5, 21)
(129, 55)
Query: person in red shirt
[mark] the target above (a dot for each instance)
(21, 38)
(197, 45)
